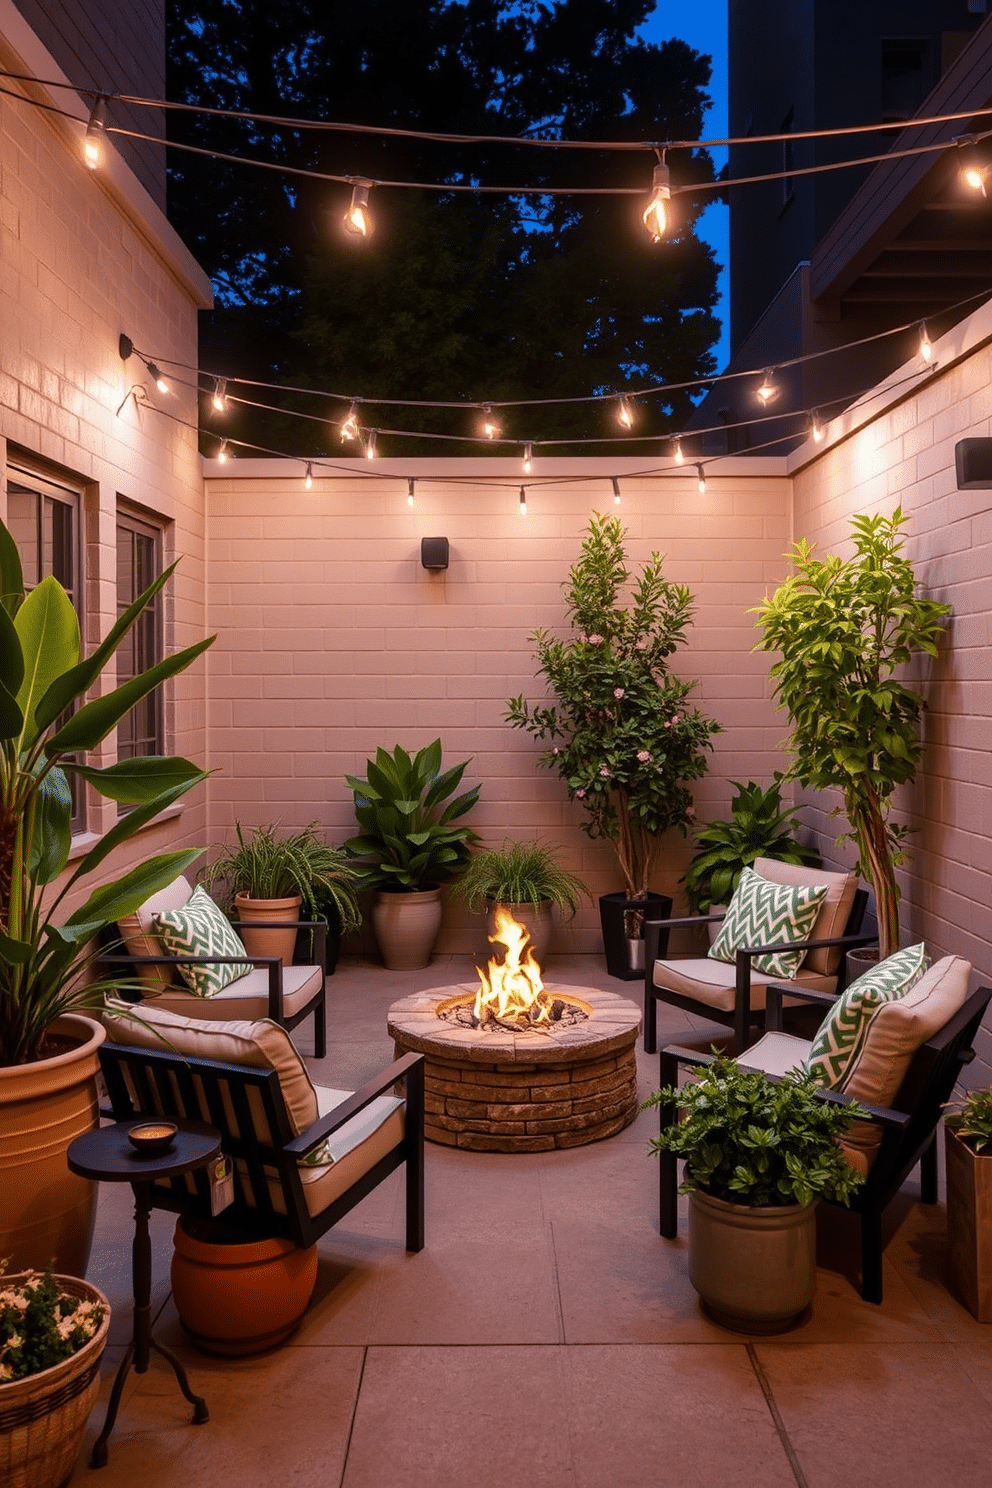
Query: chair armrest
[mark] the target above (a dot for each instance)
(690, 920)
(773, 1002)
(272, 964)
(850, 941)
(379, 1085)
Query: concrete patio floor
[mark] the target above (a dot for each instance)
(547, 1337)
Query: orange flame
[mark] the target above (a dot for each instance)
(512, 990)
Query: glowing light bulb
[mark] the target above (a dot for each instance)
(625, 414)
(370, 445)
(490, 423)
(358, 218)
(95, 134)
(767, 391)
(222, 453)
(409, 491)
(523, 501)
(817, 430)
(349, 427)
(160, 382)
(616, 491)
(528, 459)
(657, 212)
(973, 170)
(701, 482)
(219, 399)
(926, 345)
(677, 454)
(308, 478)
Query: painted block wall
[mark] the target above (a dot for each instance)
(333, 640)
(86, 256)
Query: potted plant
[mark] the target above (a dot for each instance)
(527, 879)
(968, 1149)
(294, 876)
(53, 1330)
(410, 844)
(843, 628)
(48, 1048)
(621, 732)
(758, 828)
(759, 1154)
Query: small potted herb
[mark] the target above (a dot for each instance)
(968, 1149)
(527, 879)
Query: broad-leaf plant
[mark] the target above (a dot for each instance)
(843, 628)
(46, 727)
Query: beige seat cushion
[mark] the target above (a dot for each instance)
(834, 911)
(354, 1148)
(713, 982)
(141, 940)
(247, 998)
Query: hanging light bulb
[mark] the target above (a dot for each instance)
(349, 427)
(523, 501)
(219, 399)
(358, 218)
(616, 491)
(370, 444)
(308, 478)
(625, 414)
(222, 453)
(95, 135)
(160, 382)
(767, 391)
(972, 169)
(657, 212)
(409, 491)
(926, 345)
(701, 483)
(677, 454)
(490, 424)
(528, 459)
(816, 428)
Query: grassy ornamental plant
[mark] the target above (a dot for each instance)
(46, 728)
(519, 873)
(40, 1324)
(758, 828)
(414, 839)
(843, 628)
(266, 866)
(750, 1140)
(621, 732)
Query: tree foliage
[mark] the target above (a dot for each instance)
(457, 296)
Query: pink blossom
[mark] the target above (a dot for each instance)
(643, 756)
(604, 772)
(580, 794)
(595, 640)
(676, 717)
(619, 692)
(556, 750)
(690, 812)
(641, 644)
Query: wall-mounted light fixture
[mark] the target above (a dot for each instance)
(434, 553)
(973, 464)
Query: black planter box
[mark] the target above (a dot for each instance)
(612, 910)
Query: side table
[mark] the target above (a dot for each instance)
(107, 1155)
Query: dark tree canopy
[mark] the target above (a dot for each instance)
(457, 296)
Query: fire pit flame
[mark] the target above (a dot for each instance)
(512, 992)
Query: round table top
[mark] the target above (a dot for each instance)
(107, 1154)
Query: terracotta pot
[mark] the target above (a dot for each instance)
(540, 924)
(268, 942)
(406, 927)
(969, 1225)
(47, 1211)
(755, 1269)
(43, 1417)
(237, 1295)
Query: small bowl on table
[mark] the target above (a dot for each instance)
(151, 1138)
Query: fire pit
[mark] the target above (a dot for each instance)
(521, 1069)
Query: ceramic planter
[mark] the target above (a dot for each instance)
(755, 1269)
(969, 1225)
(47, 1211)
(256, 912)
(43, 1417)
(618, 916)
(406, 927)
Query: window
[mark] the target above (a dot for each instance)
(43, 519)
(139, 561)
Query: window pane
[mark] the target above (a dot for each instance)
(138, 563)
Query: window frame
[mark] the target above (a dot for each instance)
(137, 528)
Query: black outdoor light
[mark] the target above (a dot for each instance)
(973, 464)
(434, 552)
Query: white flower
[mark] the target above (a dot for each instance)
(643, 756)
(595, 640)
(604, 771)
(619, 692)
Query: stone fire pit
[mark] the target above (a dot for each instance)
(498, 1091)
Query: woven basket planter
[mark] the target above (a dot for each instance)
(43, 1417)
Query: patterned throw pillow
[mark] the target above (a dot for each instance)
(840, 1042)
(200, 929)
(763, 913)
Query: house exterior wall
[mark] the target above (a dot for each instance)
(333, 640)
(86, 256)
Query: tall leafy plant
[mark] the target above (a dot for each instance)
(843, 627)
(45, 729)
(622, 734)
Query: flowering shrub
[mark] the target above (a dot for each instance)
(40, 1325)
(622, 734)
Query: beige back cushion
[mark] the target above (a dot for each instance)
(141, 940)
(834, 910)
(261, 1045)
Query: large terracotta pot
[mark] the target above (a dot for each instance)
(43, 1417)
(46, 1211)
(969, 1225)
(755, 1269)
(236, 1295)
(539, 921)
(261, 942)
(406, 927)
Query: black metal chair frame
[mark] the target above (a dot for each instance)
(743, 1016)
(909, 1127)
(152, 1082)
(273, 965)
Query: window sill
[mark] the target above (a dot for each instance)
(82, 844)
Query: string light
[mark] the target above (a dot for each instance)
(768, 390)
(222, 453)
(817, 430)
(95, 134)
(523, 501)
(490, 424)
(528, 459)
(358, 218)
(926, 345)
(370, 444)
(625, 414)
(655, 214)
(677, 454)
(219, 399)
(125, 347)
(308, 478)
(160, 381)
(616, 491)
(972, 168)
(701, 483)
(349, 428)
(411, 483)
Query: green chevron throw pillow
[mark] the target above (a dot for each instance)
(200, 929)
(763, 913)
(838, 1046)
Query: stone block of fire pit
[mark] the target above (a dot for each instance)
(495, 1090)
